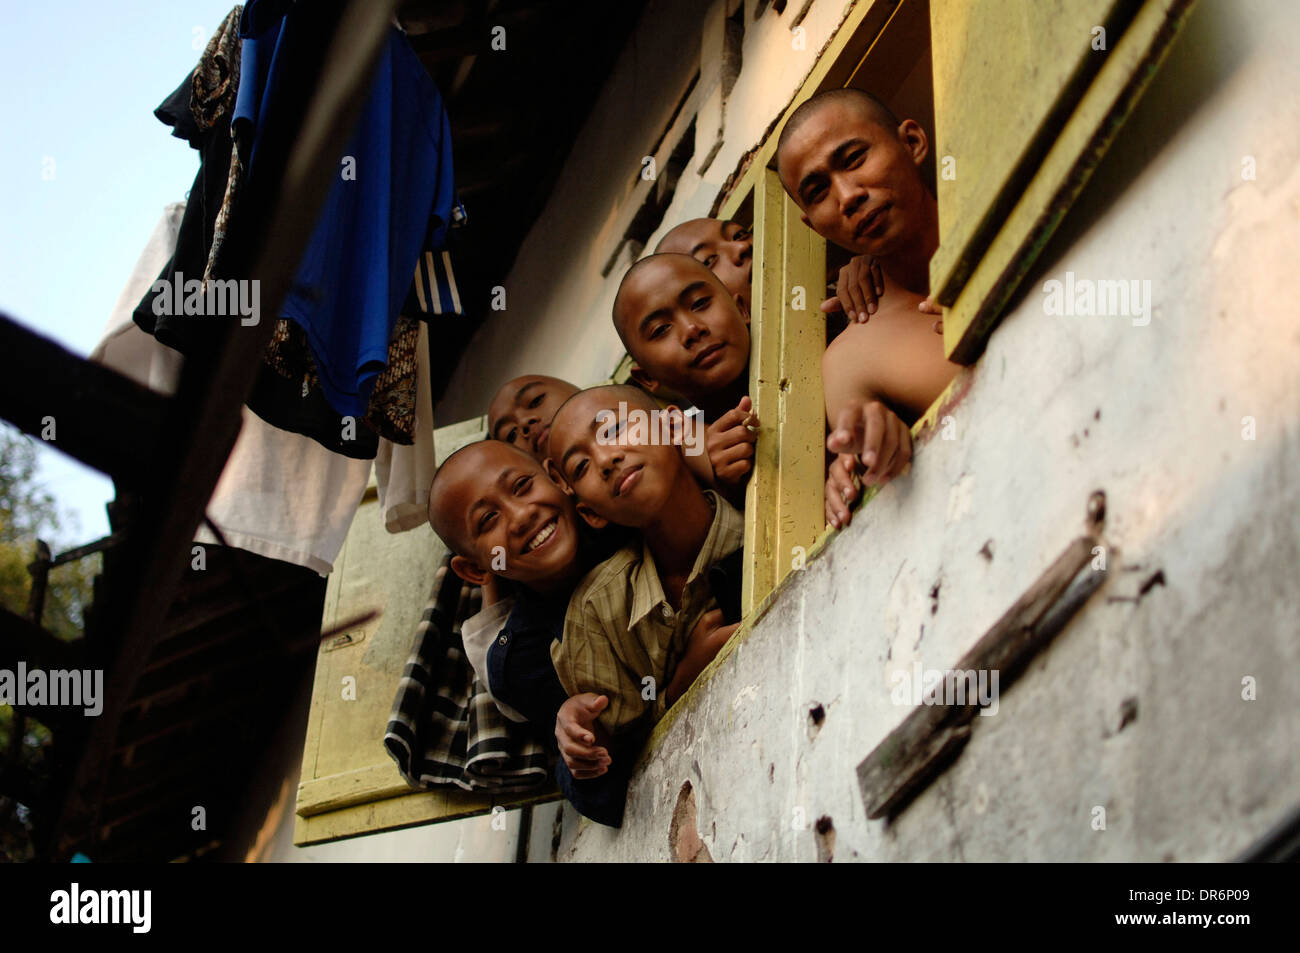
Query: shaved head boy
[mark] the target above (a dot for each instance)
(725, 248)
(520, 413)
(689, 334)
(492, 504)
(649, 610)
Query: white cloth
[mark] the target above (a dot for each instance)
(124, 347)
(284, 496)
(280, 495)
(477, 633)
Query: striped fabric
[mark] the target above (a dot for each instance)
(435, 284)
(445, 728)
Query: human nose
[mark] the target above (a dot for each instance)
(608, 457)
(692, 329)
(517, 512)
(848, 194)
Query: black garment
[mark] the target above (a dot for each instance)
(520, 673)
(191, 333)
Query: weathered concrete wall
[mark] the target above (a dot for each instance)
(1059, 407)
(556, 295)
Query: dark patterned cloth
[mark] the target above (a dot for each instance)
(391, 410)
(213, 87)
(445, 729)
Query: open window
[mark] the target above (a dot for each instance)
(1021, 99)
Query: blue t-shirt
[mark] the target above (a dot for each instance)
(391, 201)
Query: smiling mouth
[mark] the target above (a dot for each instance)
(869, 223)
(709, 356)
(627, 480)
(543, 536)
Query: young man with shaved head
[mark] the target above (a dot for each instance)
(853, 169)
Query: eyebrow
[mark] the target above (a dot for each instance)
(519, 395)
(837, 158)
(681, 295)
(595, 425)
(504, 477)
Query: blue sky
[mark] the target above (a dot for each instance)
(81, 81)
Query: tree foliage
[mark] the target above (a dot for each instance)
(28, 512)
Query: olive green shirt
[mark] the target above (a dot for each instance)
(622, 639)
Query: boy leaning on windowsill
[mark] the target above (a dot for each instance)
(511, 528)
(643, 624)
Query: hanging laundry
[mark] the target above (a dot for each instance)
(285, 496)
(392, 199)
(199, 111)
(124, 347)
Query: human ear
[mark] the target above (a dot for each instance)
(743, 307)
(468, 570)
(594, 519)
(556, 477)
(914, 140)
(804, 218)
(639, 374)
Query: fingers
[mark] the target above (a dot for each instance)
(577, 750)
(846, 435)
(938, 327)
(895, 450)
(831, 305)
(733, 454)
(885, 455)
(730, 420)
(929, 307)
(877, 277)
(842, 488)
(857, 289)
(873, 420)
(708, 622)
(848, 290)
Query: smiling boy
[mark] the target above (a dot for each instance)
(854, 171)
(631, 630)
(502, 516)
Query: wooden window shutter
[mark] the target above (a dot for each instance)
(1026, 103)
